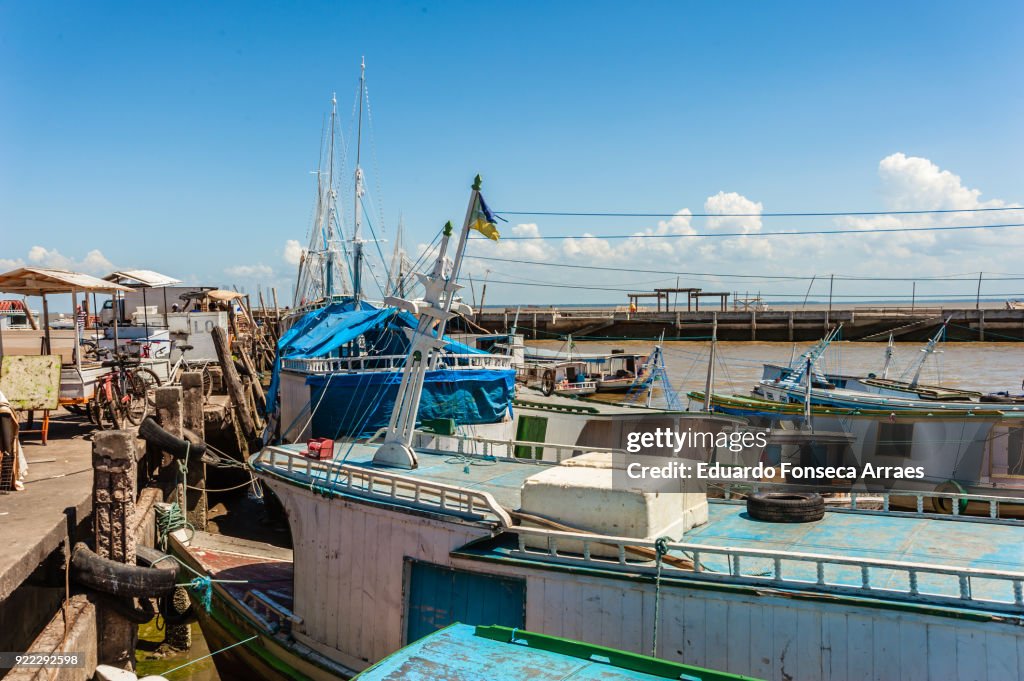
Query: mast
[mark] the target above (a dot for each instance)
(927, 351)
(357, 241)
(888, 357)
(329, 256)
(709, 383)
(434, 311)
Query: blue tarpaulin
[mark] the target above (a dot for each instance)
(360, 403)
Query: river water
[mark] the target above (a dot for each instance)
(985, 367)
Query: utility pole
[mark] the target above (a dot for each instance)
(977, 297)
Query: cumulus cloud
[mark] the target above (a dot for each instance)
(259, 271)
(527, 246)
(729, 206)
(292, 253)
(94, 261)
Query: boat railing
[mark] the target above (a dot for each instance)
(336, 476)
(521, 450)
(847, 575)
(369, 363)
(897, 502)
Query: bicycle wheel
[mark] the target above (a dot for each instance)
(136, 399)
(207, 382)
(151, 381)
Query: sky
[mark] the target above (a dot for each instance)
(182, 137)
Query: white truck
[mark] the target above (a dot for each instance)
(137, 304)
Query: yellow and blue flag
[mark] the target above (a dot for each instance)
(484, 220)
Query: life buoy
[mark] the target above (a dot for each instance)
(945, 504)
(548, 382)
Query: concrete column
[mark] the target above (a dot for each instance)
(192, 419)
(113, 497)
(753, 325)
(169, 414)
(981, 325)
(791, 325)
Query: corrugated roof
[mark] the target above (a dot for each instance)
(36, 281)
(145, 277)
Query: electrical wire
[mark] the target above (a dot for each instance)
(756, 215)
(719, 235)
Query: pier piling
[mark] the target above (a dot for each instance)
(195, 476)
(114, 490)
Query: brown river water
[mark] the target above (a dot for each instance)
(985, 367)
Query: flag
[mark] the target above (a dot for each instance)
(483, 220)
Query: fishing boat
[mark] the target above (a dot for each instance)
(568, 378)
(399, 537)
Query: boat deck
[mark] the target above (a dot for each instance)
(245, 565)
(948, 560)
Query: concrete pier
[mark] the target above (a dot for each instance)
(859, 324)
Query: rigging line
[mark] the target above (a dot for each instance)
(816, 232)
(376, 242)
(760, 277)
(756, 215)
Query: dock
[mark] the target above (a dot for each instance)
(907, 324)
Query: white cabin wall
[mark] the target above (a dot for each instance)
(295, 407)
(349, 570)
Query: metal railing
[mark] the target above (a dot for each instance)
(473, 445)
(369, 363)
(367, 482)
(865, 577)
(907, 502)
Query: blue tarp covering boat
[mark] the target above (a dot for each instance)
(359, 403)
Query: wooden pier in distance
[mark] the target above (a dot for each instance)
(906, 324)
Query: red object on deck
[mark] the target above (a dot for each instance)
(320, 448)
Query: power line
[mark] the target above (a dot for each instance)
(937, 296)
(754, 215)
(757, 234)
(759, 277)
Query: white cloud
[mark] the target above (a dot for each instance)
(528, 245)
(259, 271)
(292, 253)
(11, 264)
(730, 204)
(94, 261)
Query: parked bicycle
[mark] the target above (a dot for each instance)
(182, 365)
(122, 394)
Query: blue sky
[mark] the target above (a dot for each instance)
(180, 137)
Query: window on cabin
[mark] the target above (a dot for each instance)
(895, 439)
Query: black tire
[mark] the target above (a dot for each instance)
(118, 579)
(547, 385)
(151, 432)
(786, 507)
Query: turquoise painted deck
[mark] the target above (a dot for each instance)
(931, 541)
(456, 653)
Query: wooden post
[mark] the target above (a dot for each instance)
(981, 325)
(192, 419)
(259, 397)
(791, 325)
(234, 384)
(753, 324)
(113, 497)
(277, 310)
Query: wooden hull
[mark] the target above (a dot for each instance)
(271, 656)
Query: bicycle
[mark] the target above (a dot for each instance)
(122, 394)
(182, 365)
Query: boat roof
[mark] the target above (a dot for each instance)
(461, 652)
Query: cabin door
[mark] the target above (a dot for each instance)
(439, 596)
